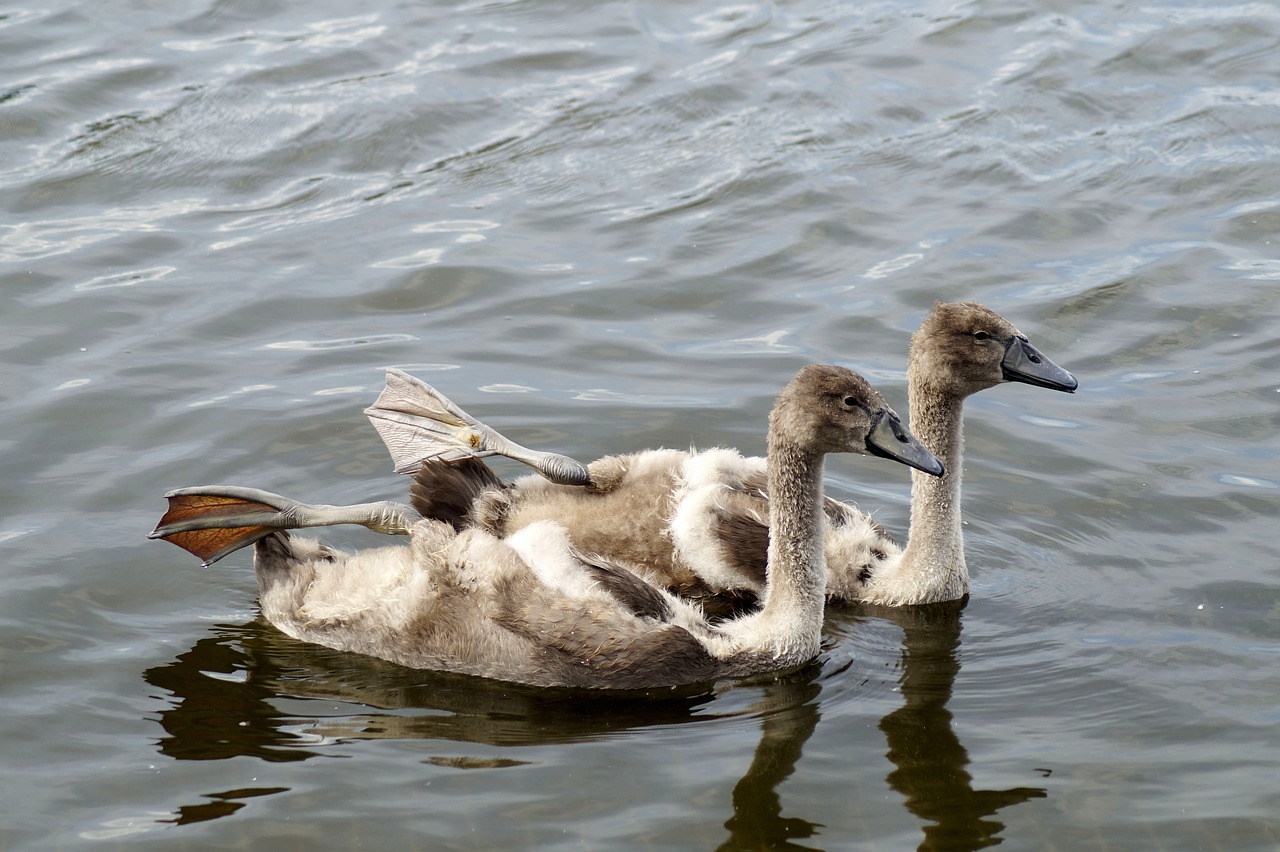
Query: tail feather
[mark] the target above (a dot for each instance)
(447, 491)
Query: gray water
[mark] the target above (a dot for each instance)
(605, 226)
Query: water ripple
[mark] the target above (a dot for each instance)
(221, 223)
(339, 343)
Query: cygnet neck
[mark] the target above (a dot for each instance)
(935, 547)
(796, 573)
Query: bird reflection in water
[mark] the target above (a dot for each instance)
(929, 760)
(788, 716)
(224, 693)
(225, 689)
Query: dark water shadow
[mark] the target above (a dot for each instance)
(928, 758)
(224, 696)
(789, 715)
(225, 691)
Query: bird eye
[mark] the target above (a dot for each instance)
(980, 335)
(850, 401)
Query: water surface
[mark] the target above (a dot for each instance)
(614, 225)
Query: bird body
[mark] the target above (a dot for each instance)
(532, 606)
(697, 522)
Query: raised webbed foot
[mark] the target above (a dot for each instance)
(211, 521)
(417, 423)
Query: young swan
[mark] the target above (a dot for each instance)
(532, 608)
(698, 521)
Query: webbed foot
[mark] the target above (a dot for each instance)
(417, 423)
(211, 521)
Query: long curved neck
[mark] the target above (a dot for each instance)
(934, 558)
(796, 576)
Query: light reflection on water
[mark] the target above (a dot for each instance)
(617, 225)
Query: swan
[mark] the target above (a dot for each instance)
(531, 607)
(697, 522)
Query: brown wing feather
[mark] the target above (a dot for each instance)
(746, 543)
(638, 596)
(589, 648)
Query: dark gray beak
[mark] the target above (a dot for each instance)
(1024, 363)
(891, 440)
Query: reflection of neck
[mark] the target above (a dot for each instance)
(934, 557)
(757, 821)
(929, 760)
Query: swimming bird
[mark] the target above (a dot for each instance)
(696, 523)
(533, 608)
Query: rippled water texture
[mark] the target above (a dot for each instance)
(606, 226)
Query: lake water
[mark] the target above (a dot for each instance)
(605, 226)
